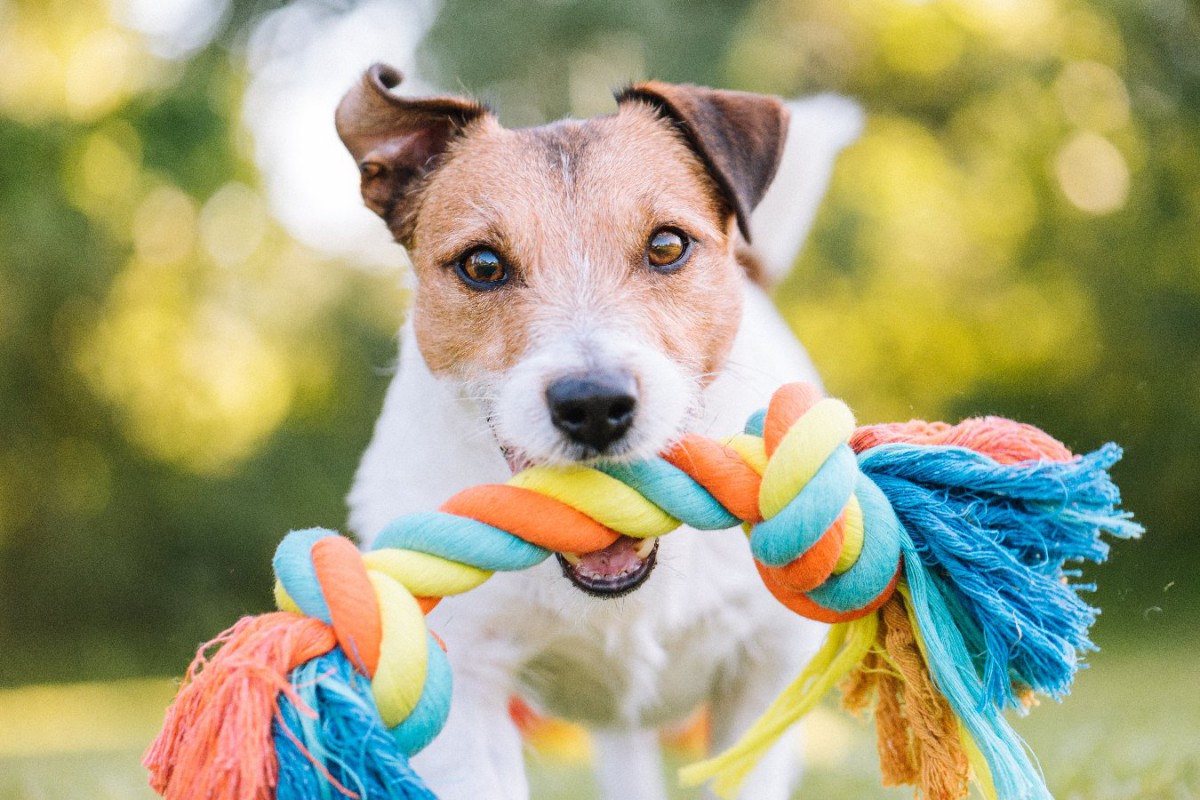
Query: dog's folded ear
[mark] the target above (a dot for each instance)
(738, 135)
(396, 140)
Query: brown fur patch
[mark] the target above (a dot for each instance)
(570, 208)
(917, 730)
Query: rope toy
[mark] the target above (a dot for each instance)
(936, 552)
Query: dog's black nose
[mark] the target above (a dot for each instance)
(594, 409)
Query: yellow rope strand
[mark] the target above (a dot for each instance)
(844, 649)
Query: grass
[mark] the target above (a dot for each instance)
(1131, 731)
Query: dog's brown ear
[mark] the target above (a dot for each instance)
(395, 140)
(739, 136)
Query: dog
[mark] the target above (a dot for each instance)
(587, 290)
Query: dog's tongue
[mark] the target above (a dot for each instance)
(622, 556)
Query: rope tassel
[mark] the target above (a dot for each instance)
(938, 553)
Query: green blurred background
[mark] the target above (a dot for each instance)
(192, 353)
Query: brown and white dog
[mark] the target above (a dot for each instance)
(585, 289)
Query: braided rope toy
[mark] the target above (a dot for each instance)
(937, 552)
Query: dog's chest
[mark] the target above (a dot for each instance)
(648, 658)
(634, 676)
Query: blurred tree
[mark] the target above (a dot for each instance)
(539, 64)
(180, 381)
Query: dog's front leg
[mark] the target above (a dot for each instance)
(629, 765)
(478, 755)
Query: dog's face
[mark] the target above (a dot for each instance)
(578, 279)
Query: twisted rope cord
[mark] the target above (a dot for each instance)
(822, 503)
(824, 537)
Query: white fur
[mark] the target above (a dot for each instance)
(820, 127)
(665, 395)
(701, 629)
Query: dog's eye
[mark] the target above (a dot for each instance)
(667, 249)
(482, 269)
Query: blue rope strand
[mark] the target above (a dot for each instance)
(995, 538)
(347, 737)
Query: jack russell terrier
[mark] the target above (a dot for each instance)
(586, 290)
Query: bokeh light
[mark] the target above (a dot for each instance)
(1092, 173)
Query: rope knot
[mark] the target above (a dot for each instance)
(379, 625)
(829, 543)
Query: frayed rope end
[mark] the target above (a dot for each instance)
(217, 740)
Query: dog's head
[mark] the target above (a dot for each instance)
(581, 278)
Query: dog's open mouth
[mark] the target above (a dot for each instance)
(614, 571)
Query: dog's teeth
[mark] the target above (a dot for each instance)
(646, 547)
(572, 559)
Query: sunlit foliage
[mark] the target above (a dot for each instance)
(181, 381)
(994, 123)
